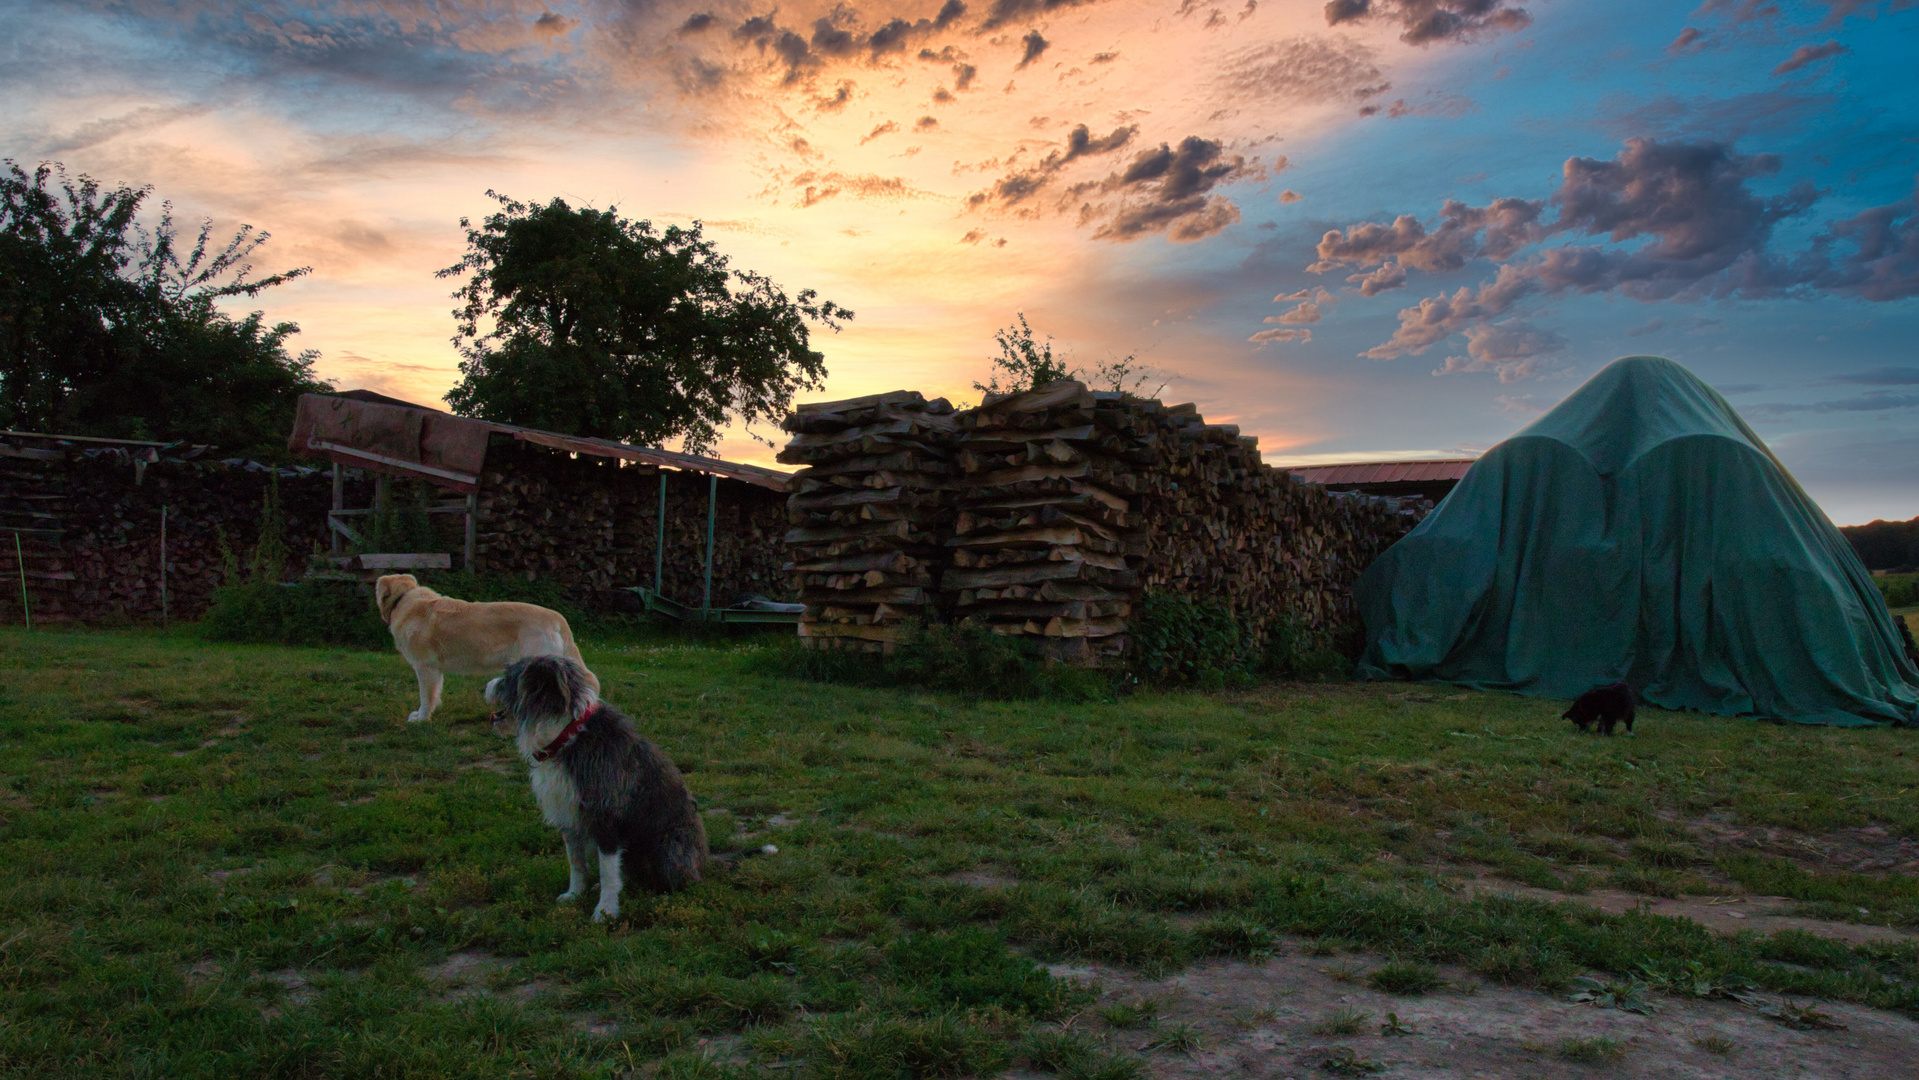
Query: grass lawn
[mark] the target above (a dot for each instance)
(237, 861)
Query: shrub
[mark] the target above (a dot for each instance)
(299, 613)
(1900, 590)
(1178, 641)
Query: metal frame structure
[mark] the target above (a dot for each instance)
(381, 465)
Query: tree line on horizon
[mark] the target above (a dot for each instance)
(570, 319)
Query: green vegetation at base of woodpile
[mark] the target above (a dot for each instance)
(239, 861)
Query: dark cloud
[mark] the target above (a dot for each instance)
(944, 96)
(1035, 45)
(1883, 261)
(553, 24)
(963, 76)
(1882, 376)
(1426, 21)
(973, 236)
(837, 100)
(897, 35)
(1104, 58)
(832, 39)
(1006, 12)
(926, 123)
(1169, 190)
(1689, 41)
(1701, 231)
(698, 23)
(1304, 71)
(1808, 54)
(1019, 186)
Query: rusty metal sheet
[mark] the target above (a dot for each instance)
(390, 436)
(1384, 472)
(579, 444)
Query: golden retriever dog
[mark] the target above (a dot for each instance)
(438, 634)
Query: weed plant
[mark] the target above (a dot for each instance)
(1594, 1051)
(238, 860)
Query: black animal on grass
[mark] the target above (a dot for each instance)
(1605, 706)
(618, 801)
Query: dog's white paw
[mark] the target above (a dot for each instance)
(415, 716)
(567, 897)
(605, 912)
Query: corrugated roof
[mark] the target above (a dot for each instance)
(1384, 472)
(377, 432)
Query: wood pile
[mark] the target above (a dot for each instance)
(1046, 543)
(89, 523)
(1060, 508)
(592, 526)
(868, 515)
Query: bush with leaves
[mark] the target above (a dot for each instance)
(110, 328)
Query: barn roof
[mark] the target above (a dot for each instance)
(1384, 472)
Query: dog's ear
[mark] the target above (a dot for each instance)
(539, 687)
(388, 591)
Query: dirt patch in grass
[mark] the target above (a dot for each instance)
(1291, 1015)
(1867, 849)
(1726, 914)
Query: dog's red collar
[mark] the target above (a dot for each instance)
(566, 736)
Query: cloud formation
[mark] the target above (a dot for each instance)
(1304, 71)
(1881, 376)
(1702, 233)
(1267, 337)
(1167, 190)
(1513, 350)
(1427, 21)
(1808, 54)
(1022, 184)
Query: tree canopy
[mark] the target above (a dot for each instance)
(584, 322)
(111, 328)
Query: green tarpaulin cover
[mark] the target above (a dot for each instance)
(1640, 531)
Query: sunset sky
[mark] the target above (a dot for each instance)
(1358, 229)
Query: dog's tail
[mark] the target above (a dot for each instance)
(728, 858)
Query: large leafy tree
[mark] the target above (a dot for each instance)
(110, 326)
(584, 322)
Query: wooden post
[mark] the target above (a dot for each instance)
(659, 548)
(20, 560)
(339, 503)
(164, 623)
(472, 525)
(712, 514)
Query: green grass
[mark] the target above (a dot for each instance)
(231, 860)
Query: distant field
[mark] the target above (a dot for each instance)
(238, 861)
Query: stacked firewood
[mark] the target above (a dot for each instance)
(1046, 543)
(868, 515)
(1061, 508)
(93, 546)
(592, 526)
(1220, 525)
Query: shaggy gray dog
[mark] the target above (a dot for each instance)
(609, 791)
